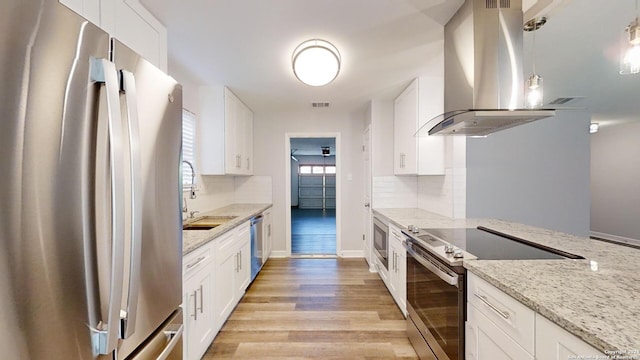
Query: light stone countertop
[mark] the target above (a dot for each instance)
(193, 239)
(597, 299)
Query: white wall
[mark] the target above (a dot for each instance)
(381, 137)
(615, 181)
(270, 159)
(446, 194)
(535, 174)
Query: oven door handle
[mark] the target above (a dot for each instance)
(431, 266)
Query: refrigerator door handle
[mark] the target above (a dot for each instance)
(106, 331)
(129, 313)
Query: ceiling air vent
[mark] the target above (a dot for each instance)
(320, 105)
(561, 100)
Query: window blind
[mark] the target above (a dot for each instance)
(188, 146)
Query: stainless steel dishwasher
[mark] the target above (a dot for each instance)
(256, 245)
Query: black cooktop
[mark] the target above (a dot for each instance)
(488, 244)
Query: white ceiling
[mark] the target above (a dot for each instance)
(247, 45)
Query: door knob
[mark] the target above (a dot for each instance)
(367, 204)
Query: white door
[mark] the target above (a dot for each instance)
(366, 154)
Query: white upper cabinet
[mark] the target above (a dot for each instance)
(226, 133)
(421, 101)
(129, 22)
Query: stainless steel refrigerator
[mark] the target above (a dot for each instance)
(90, 222)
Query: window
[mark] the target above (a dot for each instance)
(188, 147)
(317, 169)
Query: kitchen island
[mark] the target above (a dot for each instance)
(596, 299)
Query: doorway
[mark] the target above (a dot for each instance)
(313, 206)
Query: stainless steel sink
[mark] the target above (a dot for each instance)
(197, 227)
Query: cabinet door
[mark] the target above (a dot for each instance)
(226, 269)
(231, 148)
(267, 240)
(247, 137)
(404, 127)
(555, 343)
(398, 268)
(243, 275)
(199, 310)
(485, 341)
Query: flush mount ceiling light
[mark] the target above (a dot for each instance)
(316, 62)
(534, 92)
(630, 58)
(593, 128)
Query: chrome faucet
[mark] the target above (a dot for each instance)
(192, 214)
(192, 194)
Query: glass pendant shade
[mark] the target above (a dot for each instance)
(630, 57)
(316, 62)
(534, 96)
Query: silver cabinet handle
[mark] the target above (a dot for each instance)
(105, 338)
(201, 300)
(135, 184)
(248, 162)
(502, 313)
(198, 261)
(195, 305)
(240, 257)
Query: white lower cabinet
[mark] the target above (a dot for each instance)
(485, 341)
(267, 239)
(198, 302)
(215, 278)
(555, 343)
(397, 268)
(233, 270)
(500, 327)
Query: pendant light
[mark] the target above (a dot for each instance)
(534, 95)
(630, 58)
(316, 62)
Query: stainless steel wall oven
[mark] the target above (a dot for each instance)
(381, 240)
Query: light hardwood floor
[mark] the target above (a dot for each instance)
(314, 309)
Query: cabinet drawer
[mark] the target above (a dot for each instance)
(512, 317)
(196, 260)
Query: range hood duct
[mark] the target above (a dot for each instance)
(484, 84)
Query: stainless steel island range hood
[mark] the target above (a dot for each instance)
(484, 86)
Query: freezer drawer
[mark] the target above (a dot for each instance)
(165, 343)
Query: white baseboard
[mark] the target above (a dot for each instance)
(616, 238)
(351, 254)
(344, 254)
(279, 254)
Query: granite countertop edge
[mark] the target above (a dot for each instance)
(195, 239)
(596, 306)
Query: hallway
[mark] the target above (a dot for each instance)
(314, 309)
(313, 231)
